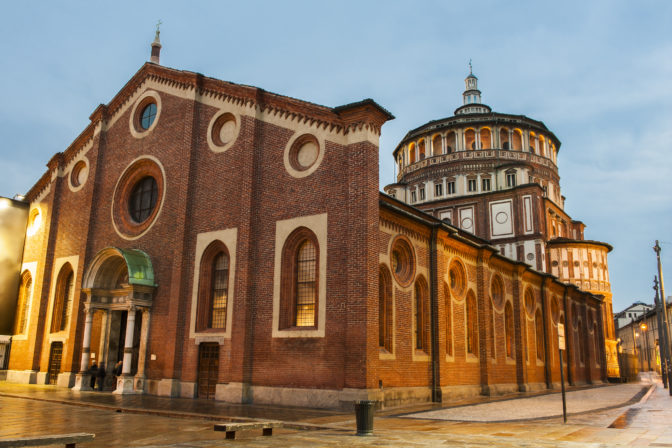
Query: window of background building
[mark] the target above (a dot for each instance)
(422, 194)
(471, 185)
(451, 187)
(511, 180)
(413, 197)
(438, 190)
(485, 184)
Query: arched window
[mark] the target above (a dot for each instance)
(451, 142)
(540, 335)
(300, 267)
(213, 287)
(449, 320)
(63, 298)
(23, 304)
(508, 329)
(533, 143)
(437, 145)
(411, 153)
(486, 137)
(517, 144)
(385, 312)
(421, 149)
(504, 138)
(472, 324)
(469, 139)
(421, 315)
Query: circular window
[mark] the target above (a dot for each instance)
(222, 131)
(304, 152)
(138, 197)
(145, 114)
(530, 303)
(143, 197)
(458, 279)
(402, 261)
(554, 263)
(497, 291)
(78, 175)
(303, 155)
(148, 115)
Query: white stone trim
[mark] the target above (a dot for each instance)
(318, 225)
(82, 158)
(228, 237)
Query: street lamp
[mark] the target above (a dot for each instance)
(643, 327)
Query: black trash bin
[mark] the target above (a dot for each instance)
(364, 417)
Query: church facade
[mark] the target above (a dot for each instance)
(224, 242)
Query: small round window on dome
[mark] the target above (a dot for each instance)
(304, 152)
(148, 116)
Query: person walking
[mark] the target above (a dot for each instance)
(93, 371)
(100, 376)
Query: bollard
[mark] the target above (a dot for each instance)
(364, 417)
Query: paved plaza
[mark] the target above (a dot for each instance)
(638, 413)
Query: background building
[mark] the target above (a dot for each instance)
(495, 175)
(633, 312)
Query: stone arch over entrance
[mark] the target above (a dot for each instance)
(119, 285)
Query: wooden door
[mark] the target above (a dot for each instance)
(208, 369)
(54, 362)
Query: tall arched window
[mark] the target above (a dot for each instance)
(486, 137)
(437, 145)
(421, 315)
(421, 149)
(517, 143)
(451, 142)
(62, 298)
(472, 324)
(469, 140)
(385, 312)
(411, 153)
(508, 329)
(23, 304)
(504, 138)
(300, 267)
(449, 319)
(213, 287)
(540, 335)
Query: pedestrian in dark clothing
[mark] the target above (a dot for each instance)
(118, 369)
(100, 376)
(93, 371)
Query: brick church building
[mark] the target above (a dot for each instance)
(228, 243)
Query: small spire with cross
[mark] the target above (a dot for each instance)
(156, 45)
(470, 67)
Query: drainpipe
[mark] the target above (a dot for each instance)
(434, 314)
(569, 339)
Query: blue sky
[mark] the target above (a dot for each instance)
(598, 74)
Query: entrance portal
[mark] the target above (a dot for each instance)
(208, 369)
(55, 355)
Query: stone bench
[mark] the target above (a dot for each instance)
(231, 428)
(69, 440)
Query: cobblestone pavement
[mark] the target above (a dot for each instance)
(41, 410)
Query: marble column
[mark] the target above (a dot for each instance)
(125, 381)
(142, 355)
(83, 378)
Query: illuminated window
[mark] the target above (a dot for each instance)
(23, 304)
(62, 298)
(143, 199)
(213, 287)
(385, 315)
(299, 279)
(148, 115)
